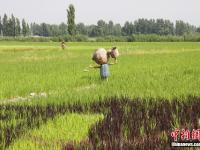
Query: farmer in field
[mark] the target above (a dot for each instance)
(114, 53)
(63, 44)
(101, 57)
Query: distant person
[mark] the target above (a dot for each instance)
(63, 44)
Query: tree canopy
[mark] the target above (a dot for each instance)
(12, 26)
(71, 20)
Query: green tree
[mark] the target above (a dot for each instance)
(62, 29)
(152, 26)
(95, 31)
(198, 30)
(1, 27)
(128, 28)
(24, 27)
(81, 29)
(183, 28)
(9, 28)
(101, 28)
(71, 20)
(13, 26)
(160, 26)
(54, 30)
(5, 25)
(141, 26)
(168, 28)
(28, 32)
(18, 27)
(110, 28)
(164, 27)
(117, 30)
(36, 29)
(45, 30)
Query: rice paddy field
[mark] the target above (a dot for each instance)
(51, 99)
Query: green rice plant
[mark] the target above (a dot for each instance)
(147, 73)
(57, 132)
(144, 70)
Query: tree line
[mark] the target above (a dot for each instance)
(11, 26)
(103, 28)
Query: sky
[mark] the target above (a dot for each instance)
(90, 11)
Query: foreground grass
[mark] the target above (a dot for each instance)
(54, 134)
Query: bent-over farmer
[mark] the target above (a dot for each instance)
(100, 56)
(63, 44)
(114, 53)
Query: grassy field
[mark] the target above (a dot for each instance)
(56, 132)
(43, 74)
(144, 70)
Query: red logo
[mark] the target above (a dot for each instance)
(196, 134)
(174, 134)
(185, 135)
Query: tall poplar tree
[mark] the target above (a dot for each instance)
(71, 20)
(5, 25)
(0, 26)
(27, 29)
(18, 27)
(24, 28)
(13, 26)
